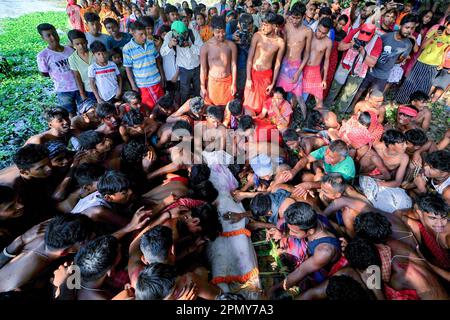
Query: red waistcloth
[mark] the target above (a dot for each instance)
(342, 263)
(254, 98)
(440, 255)
(150, 95)
(392, 294)
(312, 81)
(187, 202)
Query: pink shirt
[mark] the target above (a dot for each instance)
(56, 64)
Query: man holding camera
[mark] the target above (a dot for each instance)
(363, 47)
(218, 66)
(242, 38)
(186, 44)
(396, 48)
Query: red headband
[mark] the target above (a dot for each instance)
(408, 111)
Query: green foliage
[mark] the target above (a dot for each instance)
(24, 94)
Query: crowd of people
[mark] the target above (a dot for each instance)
(172, 154)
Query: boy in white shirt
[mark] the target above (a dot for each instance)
(104, 76)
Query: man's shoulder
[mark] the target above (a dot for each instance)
(129, 45)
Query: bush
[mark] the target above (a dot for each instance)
(24, 93)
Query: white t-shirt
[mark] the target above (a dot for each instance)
(105, 79)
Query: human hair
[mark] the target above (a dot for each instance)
(416, 136)
(105, 109)
(270, 18)
(91, 17)
(147, 21)
(56, 113)
(170, 8)
(218, 22)
(133, 152)
(65, 230)
(166, 102)
(131, 95)
(281, 91)
(362, 254)
(88, 173)
(182, 125)
(335, 180)
(439, 160)
(433, 203)
(230, 296)
(89, 139)
(393, 136)
(188, 12)
(246, 122)
(314, 119)
(7, 194)
(245, 18)
(372, 226)
(155, 282)
(298, 9)
(163, 28)
(28, 155)
(365, 119)
(97, 257)
(279, 20)
(261, 204)
(325, 11)
(409, 18)
(199, 173)
(419, 96)
(133, 117)
(110, 21)
(97, 46)
(215, 112)
(343, 17)
(112, 182)
(340, 147)
(156, 244)
(302, 215)
(137, 25)
(235, 107)
(345, 288)
(204, 190)
(198, 13)
(76, 34)
(326, 23)
(209, 220)
(45, 27)
(196, 105)
(290, 135)
(116, 52)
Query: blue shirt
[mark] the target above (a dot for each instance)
(112, 44)
(142, 60)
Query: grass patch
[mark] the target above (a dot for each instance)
(24, 94)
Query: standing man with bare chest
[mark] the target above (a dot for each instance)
(266, 48)
(218, 72)
(298, 44)
(313, 81)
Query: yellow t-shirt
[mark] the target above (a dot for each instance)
(434, 52)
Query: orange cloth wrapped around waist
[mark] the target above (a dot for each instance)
(254, 98)
(219, 91)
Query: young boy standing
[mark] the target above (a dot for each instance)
(104, 75)
(117, 39)
(140, 59)
(94, 27)
(79, 63)
(53, 62)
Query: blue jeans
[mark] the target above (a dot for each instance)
(69, 100)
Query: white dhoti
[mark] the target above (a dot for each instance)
(232, 256)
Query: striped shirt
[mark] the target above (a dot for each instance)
(105, 79)
(142, 60)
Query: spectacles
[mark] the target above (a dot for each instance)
(405, 115)
(366, 32)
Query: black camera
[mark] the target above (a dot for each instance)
(244, 35)
(181, 39)
(358, 44)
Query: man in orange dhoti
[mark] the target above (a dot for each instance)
(218, 66)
